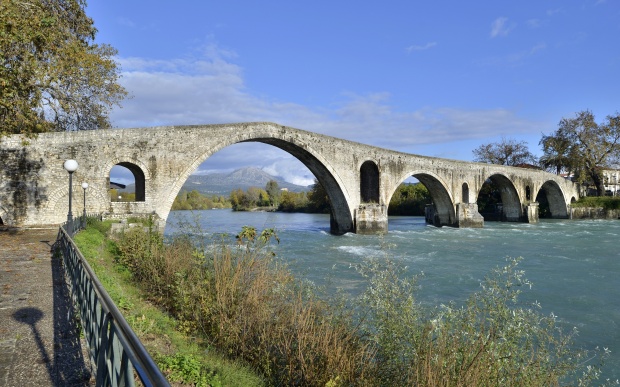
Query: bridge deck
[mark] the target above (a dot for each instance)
(39, 346)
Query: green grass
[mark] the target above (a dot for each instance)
(184, 359)
(606, 202)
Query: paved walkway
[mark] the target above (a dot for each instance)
(39, 340)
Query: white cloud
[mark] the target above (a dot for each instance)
(210, 89)
(421, 48)
(291, 170)
(500, 27)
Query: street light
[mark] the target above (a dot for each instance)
(84, 186)
(71, 166)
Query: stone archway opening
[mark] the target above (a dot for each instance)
(369, 182)
(427, 197)
(280, 159)
(498, 200)
(127, 183)
(410, 199)
(465, 193)
(551, 202)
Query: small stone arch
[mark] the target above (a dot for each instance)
(554, 196)
(465, 193)
(528, 193)
(443, 204)
(511, 209)
(139, 178)
(97, 200)
(369, 182)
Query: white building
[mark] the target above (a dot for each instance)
(611, 178)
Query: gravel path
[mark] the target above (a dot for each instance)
(39, 340)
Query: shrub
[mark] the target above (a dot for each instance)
(245, 302)
(492, 340)
(606, 202)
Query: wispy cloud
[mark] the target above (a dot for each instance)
(209, 90)
(424, 47)
(501, 27)
(125, 22)
(534, 23)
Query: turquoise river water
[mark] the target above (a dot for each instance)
(574, 265)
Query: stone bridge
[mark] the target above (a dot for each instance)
(359, 179)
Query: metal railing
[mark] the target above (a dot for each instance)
(116, 353)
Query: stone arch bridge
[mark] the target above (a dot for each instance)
(359, 179)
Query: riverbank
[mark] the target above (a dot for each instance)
(594, 213)
(185, 359)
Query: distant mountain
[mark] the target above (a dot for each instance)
(224, 183)
(244, 178)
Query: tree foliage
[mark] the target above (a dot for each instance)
(556, 154)
(318, 200)
(409, 199)
(53, 77)
(584, 147)
(273, 190)
(506, 152)
(194, 200)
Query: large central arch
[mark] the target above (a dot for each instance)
(341, 220)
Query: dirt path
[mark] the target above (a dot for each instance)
(39, 340)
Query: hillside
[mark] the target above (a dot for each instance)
(244, 178)
(224, 183)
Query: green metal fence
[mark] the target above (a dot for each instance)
(117, 355)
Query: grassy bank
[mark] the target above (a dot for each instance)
(605, 202)
(185, 358)
(235, 298)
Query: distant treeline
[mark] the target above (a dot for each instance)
(272, 197)
(194, 200)
(409, 199)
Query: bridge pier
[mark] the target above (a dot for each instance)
(468, 216)
(531, 213)
(371, 218)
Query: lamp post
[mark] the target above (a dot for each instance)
(71, 166)
(84, 186)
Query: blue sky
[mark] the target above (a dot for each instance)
(432, 78)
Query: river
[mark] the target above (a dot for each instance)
(574, 265)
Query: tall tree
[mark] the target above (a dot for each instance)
(506, 152)
(556, 154)
(52, 75)
(318, 200)
(273, 190)
(591, 146)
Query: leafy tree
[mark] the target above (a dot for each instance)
(52, 75)
(318, 200)
(556, 155)
(409, 199)
(506, 152)
(293, 202)
(273, 190)
(589, 147)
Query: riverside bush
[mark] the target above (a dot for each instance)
(492, 340)
(246, 303)
(606, 202)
